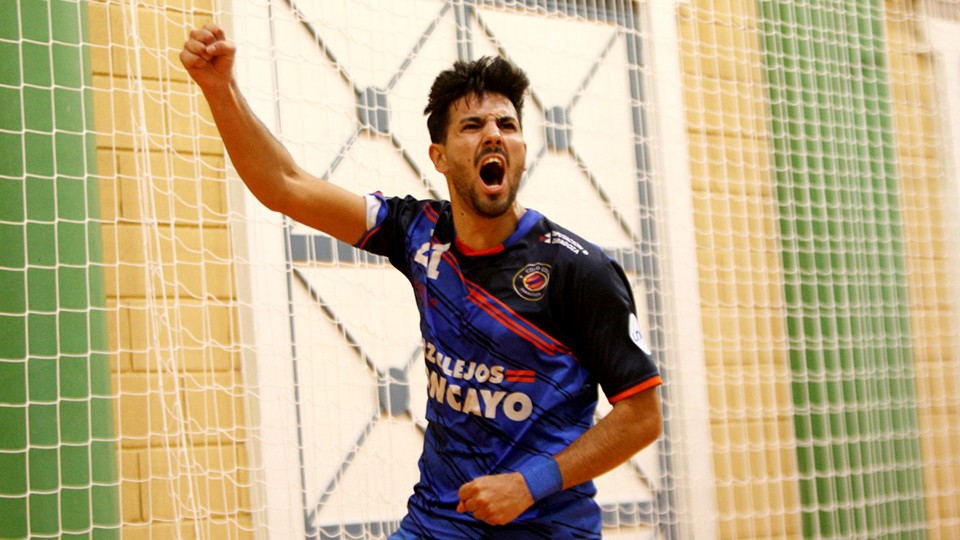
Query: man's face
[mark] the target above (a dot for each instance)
(484, 155)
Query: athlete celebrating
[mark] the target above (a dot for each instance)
(522, 319)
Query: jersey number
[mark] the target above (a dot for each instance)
(430, 258)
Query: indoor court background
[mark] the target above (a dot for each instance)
(779, 179)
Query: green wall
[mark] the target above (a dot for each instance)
(844, 264)
(57, 452)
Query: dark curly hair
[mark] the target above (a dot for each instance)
(488, 74)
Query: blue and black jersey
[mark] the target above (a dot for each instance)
(516, 341)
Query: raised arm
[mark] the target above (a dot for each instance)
(264, 165)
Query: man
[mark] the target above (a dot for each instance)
(521, 319)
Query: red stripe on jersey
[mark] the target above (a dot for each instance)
(645, 385)
(507, 317)
(431, 213)
(370, 233)
(484, 302)
(470, 252)
(521, 375)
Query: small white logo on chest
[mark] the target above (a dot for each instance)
(565, 241)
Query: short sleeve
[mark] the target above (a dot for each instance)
(607, 334)
(388, 220)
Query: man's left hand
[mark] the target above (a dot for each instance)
(496, 499)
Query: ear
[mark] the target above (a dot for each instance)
(438, 156)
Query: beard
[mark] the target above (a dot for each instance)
(481, 203)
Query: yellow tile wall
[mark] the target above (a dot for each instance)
(738, 260)
(182, 430)
(735, 225)
(169, 279)
(933, 323)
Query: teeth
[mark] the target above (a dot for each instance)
(490, 159)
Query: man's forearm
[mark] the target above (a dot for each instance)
(632, 425)
(262, 162)
(274, 177)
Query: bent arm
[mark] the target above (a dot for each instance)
(264, 165)
(632, 425)
(275, 179)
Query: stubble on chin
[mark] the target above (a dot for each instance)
(495, 208)
(492, 207)
(479, 203)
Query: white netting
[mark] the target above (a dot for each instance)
(777, 178)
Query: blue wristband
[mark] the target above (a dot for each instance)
(543, 477)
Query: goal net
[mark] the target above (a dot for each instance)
(777, 179)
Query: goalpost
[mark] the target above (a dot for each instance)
(777, 178)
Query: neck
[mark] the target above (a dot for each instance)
(480, 233)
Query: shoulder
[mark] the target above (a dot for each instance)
(409, 203)
(576, 268)
(406, 210)
(392, 222)
(581, 269)
(569, 250)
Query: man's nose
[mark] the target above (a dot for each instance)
(492, 134)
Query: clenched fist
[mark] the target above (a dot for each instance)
(497, 499)
(208, 57)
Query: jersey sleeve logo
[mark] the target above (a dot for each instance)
(637, 336)
(531, 281)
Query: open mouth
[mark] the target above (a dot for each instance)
(491, 172)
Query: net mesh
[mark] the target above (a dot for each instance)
(776, 178)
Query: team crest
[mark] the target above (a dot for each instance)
(531, 281)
